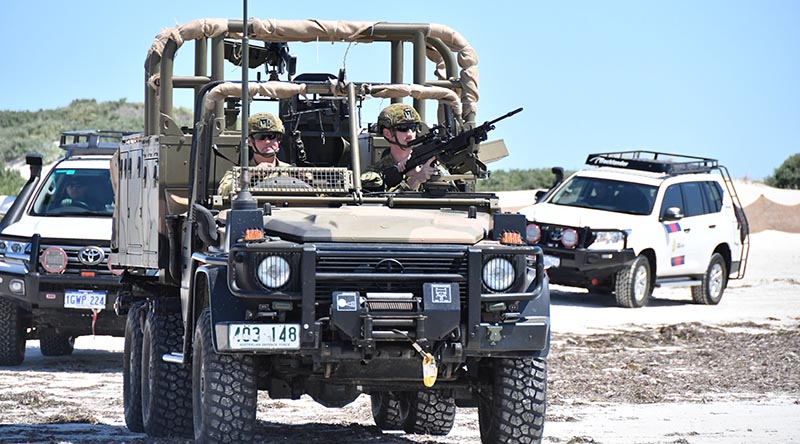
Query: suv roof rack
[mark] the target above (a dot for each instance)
(91, 142)
(653, 161)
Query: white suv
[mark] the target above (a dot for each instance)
(643, 219)
(55, 283)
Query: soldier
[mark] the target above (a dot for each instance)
(264, 138)
(398, 123)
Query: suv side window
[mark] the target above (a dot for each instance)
(694, 198)
(672, 198)
(714, 196)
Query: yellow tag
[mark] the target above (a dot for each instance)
(429, 370)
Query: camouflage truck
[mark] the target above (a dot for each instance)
(302, 282)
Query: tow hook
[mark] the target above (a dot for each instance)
(429, 368)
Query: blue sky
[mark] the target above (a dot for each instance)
(710, 78)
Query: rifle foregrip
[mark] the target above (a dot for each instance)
(391, 177)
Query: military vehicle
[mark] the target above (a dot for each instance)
(300, 281)
(55, 283)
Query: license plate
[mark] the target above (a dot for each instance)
(551, 261)
(84, 299)
(264, 336)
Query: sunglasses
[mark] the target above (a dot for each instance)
(268, 136)
(403, 127)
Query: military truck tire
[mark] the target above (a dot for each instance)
(224, 391)
(56, 345)
(132, 372)
(166, 387)
(633, 284)
(430, 413)
(512, 409)
(389, 410)
(714, 282)
(12, 334)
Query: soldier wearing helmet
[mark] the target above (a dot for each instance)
(398, 124)
(264, 137)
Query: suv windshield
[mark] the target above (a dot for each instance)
(607, 195)
(75, 192)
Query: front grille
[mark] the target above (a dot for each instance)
(381, 269)
(74, 265)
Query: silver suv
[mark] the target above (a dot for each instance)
(55, 283)
(639, 220)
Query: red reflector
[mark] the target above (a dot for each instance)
(87, 274)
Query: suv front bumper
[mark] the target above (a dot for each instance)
(585, 268)
(44, 296)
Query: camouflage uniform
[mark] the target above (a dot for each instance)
(226, 183)
(372, 177)
(257, 123)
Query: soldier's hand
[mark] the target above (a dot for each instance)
(421, 174)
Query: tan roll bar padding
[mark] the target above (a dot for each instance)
(443, 95)
(273, 89)
(271, 30)
(194, 30)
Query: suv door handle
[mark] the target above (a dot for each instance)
(686, 230)
(712, 226)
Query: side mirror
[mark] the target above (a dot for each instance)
(673, 213)
(540, 195)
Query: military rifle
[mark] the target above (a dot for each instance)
(453, 151)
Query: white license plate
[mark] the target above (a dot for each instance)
(551, 261)
(84, 299)
(264, 336)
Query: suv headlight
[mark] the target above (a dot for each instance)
(15, 249)
(498, 274)
(274, 272)
(608, 240)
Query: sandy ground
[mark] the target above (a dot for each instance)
(670, 373)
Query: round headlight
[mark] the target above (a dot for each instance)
(53, 260)
(533, 233)
(2, 246)
(498, 274)
(274, 272)
(569, 238)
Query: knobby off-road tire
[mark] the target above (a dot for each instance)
(224, 391)
(132, 371)
(389, 410)
(56, 345)
(166, 387)
(430, 413)
(512, 410)
(12, 334)
(633, 284)
(714, 282)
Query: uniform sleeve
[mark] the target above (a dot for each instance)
(226, 184)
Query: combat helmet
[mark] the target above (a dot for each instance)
(397, 114)
(265, 123)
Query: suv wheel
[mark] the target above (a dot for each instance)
(56, 345)
(714, 282)
(166, 387)
(389, 410)
(512, 409)
(132, 371)
(430, 413)
(633, 286)
(224, 390)
(12, 334)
